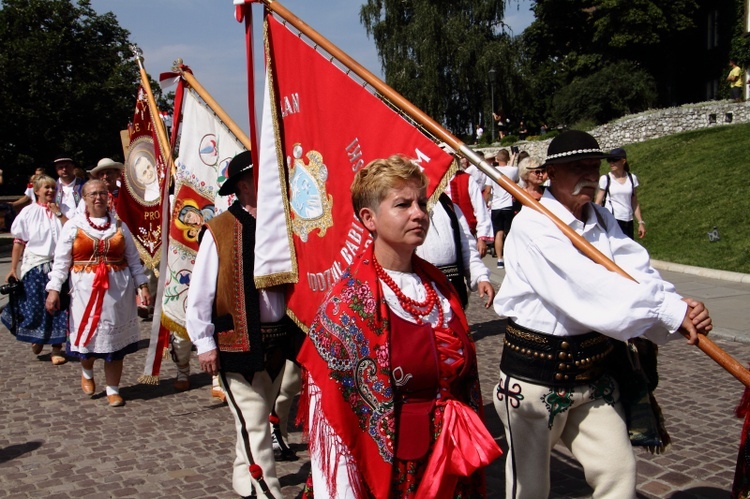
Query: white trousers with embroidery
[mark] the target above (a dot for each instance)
(588, 419)
(254, 402)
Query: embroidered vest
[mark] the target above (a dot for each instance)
(236, 309)
(88, 251)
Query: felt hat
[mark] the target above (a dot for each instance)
(571, 146)
(106, 164)
(63, 158)
(239, 165)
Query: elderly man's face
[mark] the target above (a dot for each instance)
(110, 177)
(575, 183)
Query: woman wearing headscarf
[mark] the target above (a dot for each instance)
(99, 255)
(392, 387)
(36, 231)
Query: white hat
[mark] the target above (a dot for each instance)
(106, 164)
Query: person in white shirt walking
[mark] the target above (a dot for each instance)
(617, 193)
(565, 314)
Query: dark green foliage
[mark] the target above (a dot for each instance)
(613, 91)
(438, 53)
(69, 84)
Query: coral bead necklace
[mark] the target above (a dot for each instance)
(417, 309)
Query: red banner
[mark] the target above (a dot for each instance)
(330, 127)
(139, 203)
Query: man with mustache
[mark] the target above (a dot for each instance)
(565, 316)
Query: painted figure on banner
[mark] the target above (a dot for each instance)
(206, 149)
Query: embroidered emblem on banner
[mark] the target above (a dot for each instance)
(311, 204)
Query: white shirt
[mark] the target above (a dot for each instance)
(202, 292)
(553, 288)
(29, 193)
(620, 197)
(478, 175)
(439, 248)
(68, 202)
(500, 197)
(40, 232)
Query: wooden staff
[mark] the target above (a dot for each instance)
(706, 345)
(215, 107)
(161, 132)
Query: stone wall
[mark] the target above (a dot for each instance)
(654, 124)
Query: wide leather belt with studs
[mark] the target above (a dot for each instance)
(550, 360)
(450, 271)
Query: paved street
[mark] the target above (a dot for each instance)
(57, 443)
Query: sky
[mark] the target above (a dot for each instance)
(206, 36)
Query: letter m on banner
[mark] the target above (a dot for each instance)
(320, 128)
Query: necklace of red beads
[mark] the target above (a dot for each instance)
(417, 309)
(102, 227)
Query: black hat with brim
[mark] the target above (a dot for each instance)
(239, 165)
(571, 146)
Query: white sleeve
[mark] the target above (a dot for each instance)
(332, 446)
(482, 214)
(19, 229)
(478, 271)
(592, 296)
(63, 257)
(133, 258)
(201, 295)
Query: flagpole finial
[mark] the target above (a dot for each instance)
(177, 65)
(137, 53)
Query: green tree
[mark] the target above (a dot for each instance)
(438, 53)
(616, 90)
(577, 39)
(69, 84)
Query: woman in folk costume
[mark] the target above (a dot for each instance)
(391, 376)
(99, 254)
(36, 231)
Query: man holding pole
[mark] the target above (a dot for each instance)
(238, 330)
(565, 314)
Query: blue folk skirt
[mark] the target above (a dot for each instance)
(25, 311)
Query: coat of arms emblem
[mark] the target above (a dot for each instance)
(310, 203)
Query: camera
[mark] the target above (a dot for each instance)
(514, 149)
(12, 286)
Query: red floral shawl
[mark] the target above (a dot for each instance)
(347, 353)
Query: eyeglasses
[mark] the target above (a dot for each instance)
(613, 160)
(98, 194)
(538, 171)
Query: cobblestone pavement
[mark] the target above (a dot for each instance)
(57, 443)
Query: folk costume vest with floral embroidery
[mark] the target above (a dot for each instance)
(236, 306)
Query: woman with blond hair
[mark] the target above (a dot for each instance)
(392, 387)
(532, 174)
(36, 231)
(97, 253)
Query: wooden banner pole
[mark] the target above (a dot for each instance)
(706, 345)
